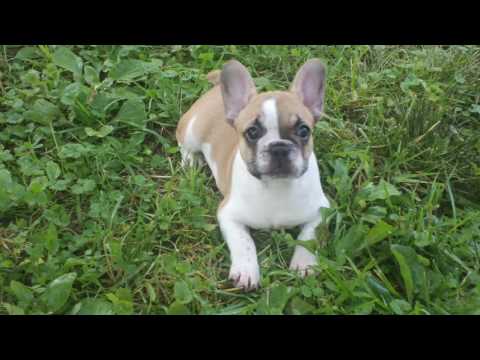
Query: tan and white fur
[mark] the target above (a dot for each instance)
(259, 148)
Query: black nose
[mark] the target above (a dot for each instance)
(280, 149)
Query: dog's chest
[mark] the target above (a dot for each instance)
(274, 204)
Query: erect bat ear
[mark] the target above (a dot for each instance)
(309, 85)
(237, 88)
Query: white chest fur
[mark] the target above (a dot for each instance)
(274, 203)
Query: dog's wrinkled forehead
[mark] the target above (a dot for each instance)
(275, 111)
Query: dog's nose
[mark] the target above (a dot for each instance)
(280, 149)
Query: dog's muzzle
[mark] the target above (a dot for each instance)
(280, 159)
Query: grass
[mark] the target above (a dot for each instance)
(97, 217)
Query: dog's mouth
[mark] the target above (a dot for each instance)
(286, 169)
(280, 169)
(277, 169)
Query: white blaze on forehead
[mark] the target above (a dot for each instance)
(271, 124)
(270, 121)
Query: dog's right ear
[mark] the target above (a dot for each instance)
(237, 89)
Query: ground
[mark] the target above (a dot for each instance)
(97, 216)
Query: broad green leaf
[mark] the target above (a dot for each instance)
(53, 170)
(5, 178)
(411, 81)
(183, 294)
(364, 309)
(279, 296)
(35, 198)
(74, 151)
(132, 111)
(13, 309)
(382, 191)
(95, 307)
(60, 185)
(374, 214)
(177, 308)
(183, 267)
(340, 179)
(5, 155)
(124, 294)
(57, 215)
(300, 307)
(83, 186)
(38, 184)
(124, 93)
(169, 74)
(91, 75)
(206, 56)
(351, 242)
(385, 190)
(131, 69)
(400, 307)
(58, 291)
(23, 294)
(122, 301)
(459, 78)
(423, 238)
(263, 308)
(65, 58)
(379, 232)
(73, 92)
(139, 180)
(102, 132)
(50, 239)
(475, 109)
(378, 288)
(27, 53)
(30, 166)
(42, 112)
(116, 251)
(32, 78)
(402, 255)
(100, 103)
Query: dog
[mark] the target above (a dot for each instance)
(259, 148)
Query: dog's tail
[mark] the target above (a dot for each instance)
(214, 77)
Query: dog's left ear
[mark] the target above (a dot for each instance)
(309, 85)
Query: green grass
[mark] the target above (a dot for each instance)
(97, 217)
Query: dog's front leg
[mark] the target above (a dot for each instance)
(244, 270)
(303, 259)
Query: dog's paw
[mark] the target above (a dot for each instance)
(302, 261)
(245, 275)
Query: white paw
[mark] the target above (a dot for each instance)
(302, 261)
(245, 275)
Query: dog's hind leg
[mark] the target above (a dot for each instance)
(190, 146)
(191, 158)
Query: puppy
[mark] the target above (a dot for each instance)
(259, 147)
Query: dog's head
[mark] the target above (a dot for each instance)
(275, 128)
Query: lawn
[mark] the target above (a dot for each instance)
(98, 217)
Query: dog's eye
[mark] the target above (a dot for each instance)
(303, 131)
(253, 133)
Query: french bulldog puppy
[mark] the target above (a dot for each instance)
(259, 148)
